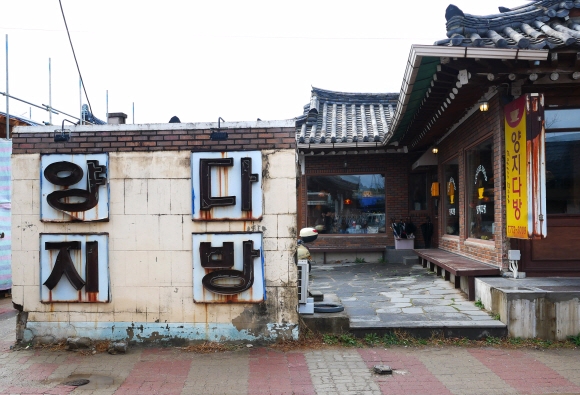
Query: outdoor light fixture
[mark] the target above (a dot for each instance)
(483, 105)
(435, 150)
(217, 134)
(62, 135)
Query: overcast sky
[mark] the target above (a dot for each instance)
(200, 60)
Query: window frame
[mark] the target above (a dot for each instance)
(443, 197)
(559, 130)
(467, 182)
(333, 174)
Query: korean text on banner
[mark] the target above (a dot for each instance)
(516, 169)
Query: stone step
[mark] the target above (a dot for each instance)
(396, 256)
(411, 260)
(335, 323)
(422, 329)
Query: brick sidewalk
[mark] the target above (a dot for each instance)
(260, 370)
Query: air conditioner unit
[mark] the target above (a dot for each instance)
(302, 281)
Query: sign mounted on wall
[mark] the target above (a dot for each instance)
(74, 268)
(226, 185)
(74, 188)
(228, 267)
(525, 168)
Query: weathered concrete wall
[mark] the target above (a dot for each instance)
(150, 253)
(530, 311)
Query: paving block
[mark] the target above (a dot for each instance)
(317, 295)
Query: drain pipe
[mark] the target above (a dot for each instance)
(514, 256)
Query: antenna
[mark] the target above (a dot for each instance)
(49, 91)
(81, 100)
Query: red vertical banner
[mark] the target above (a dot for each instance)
(536, 171)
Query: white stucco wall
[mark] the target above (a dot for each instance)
(150, 254)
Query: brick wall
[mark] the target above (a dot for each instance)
(479, 127)
(115, 138)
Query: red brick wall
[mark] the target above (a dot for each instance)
(479, 127)
(153, 140)
(395, 167)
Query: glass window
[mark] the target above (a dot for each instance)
(418, 191)
(563, 119)
(563, 161)
(449, 195)
(480, 191)
(348, 204)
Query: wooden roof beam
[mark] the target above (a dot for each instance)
(446, 71)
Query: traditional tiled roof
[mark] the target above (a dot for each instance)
(544, 24)
(339, 117)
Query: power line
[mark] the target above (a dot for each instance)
(75, 56)
(258, 37)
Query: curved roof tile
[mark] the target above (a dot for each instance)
(537, 25)
(341, 117)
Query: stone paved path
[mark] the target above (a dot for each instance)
(395, 294)
(260, 370)
(348, 371)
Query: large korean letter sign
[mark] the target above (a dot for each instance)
(74, 188)
(226, 185)
(74, 268)
(227, 267)
(525, 168)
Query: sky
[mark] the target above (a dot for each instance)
(201, 60)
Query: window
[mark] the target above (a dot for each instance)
(563, 161)
(347, 204)
(449, 195)
(480, 191)
(418, 191)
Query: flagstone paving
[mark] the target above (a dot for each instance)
(392, 294)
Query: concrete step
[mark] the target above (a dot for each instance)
(396, 256)
(542, 307)
(335, 323)
(411, 260)
(448, 329)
